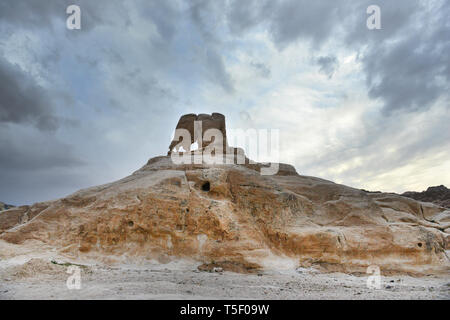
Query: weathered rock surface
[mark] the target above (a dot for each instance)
(439, 195)
(230, 216)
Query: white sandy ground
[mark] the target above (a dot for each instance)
(38, 278)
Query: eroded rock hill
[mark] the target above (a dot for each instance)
(231, 216)
(4, 206)
(439, 195)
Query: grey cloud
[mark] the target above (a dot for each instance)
(91, 62)
(163, 14)
(215, 69)
(112, 56)
(405, 78)
(291, 20)
(43, 14)
(243, 17)
(22, 100)
(414, 72)
(36, 166)
(396, 17)
(25, 188)
(315, 21)
(381, 133)
(328, 65)
(33, 151)
(405, 69)
(262, 69)
(143, 84)
(206, 15)
(406, 63)
(22, 13)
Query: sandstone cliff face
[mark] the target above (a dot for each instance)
(233, 217)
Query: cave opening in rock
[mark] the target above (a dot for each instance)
(206, 186)
(420, 244)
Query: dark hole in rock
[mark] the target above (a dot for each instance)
(206, 186)
(187, 210)
(419, 244)
(130, 223)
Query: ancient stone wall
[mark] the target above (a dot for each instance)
(206, 121)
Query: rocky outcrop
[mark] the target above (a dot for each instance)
(19, 215)
(4, 206)
(229, 216)
(439, 195)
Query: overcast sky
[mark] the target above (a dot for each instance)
(366, 108)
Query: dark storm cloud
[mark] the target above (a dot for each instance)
(387, 63)
(23, 13)
(328, 65)
(145, 85)
(310, 20)
(119, 58)
(396, 17)
(38, 162)
(36, 166)
(33, 151)
(410, 75)
(22, 100)
(37, 14)
(41, 185)
(165, 15)
(414, 71)
(406, 63)
(289, 21)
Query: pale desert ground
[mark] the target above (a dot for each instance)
(38, 278)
